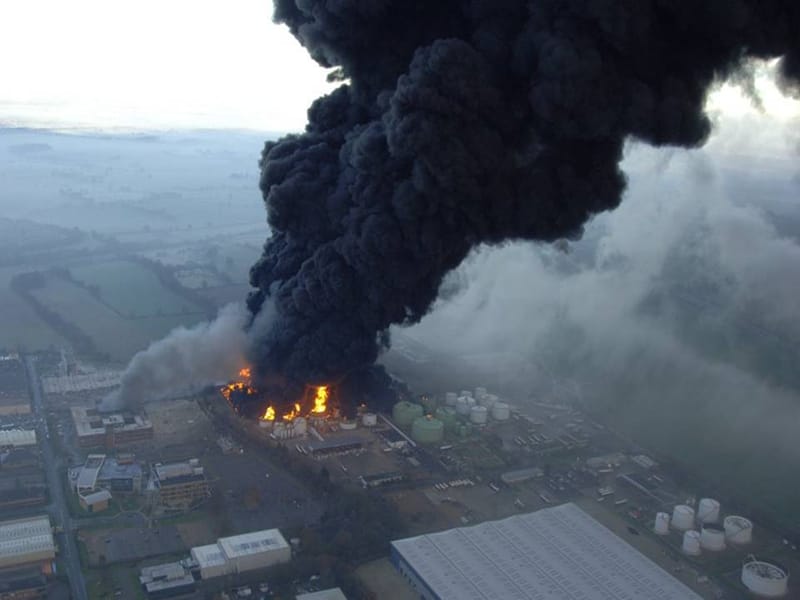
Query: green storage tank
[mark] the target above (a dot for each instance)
(427, 430)
(447, 415)
(429, 404)
(405, 412)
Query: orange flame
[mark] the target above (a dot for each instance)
(321, 400)
(245, 373)
(269, 414)
(292, 414)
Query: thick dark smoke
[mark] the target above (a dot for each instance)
(465, 123)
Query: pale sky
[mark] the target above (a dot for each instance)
(150, 64)
(155, 64)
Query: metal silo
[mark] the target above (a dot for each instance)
(427, 430)
(661, 526)
(501, 411)
(712, 537)
(738, 530)
(450, 398)
(405, 412)
(683, 517)
(691, 543)
(708, 510)
(478, 415)
(765, 579)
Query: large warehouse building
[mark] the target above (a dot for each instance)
(558, 552)
(27, 542)
(240, 553)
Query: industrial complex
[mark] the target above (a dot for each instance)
(558, 552)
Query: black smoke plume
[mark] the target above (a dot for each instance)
(471, 122)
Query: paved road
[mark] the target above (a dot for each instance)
(58, 507)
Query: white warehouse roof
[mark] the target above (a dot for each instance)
(208, 556)
(558, 552)
(252, 543)
(25, 537)
(17, 437)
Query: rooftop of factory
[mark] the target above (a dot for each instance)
(25, 536)
(209, 555)
(13, 382)
(252, 543)
(98, 496)
(333, 444)
(329, 594)
(17, 437)
(113, 469)
(178, 472)
(558, 552)
(88, 421)
(87, 476)
(166, 576)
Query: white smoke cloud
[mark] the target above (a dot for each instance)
(188, 358)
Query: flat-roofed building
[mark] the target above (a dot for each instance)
(109, 430)
(180, 485)
(559, 552)
(26, 542)
(210, 561)
(22, 487)
(166, 580)
(17, 438)
(329, 594)
(14, 398)
(87, 475)
(95, 502)
(102, 472)
(23, 584)
(332, 447)
(242, 553)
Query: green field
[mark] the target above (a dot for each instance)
(20, 326)
(115, 336)
(132, 289)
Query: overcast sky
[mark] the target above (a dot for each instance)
(153, 64)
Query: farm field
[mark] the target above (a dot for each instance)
(20, 326)
(113, 335)
(132, 289)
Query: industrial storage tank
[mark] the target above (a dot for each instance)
(480, 392)
(347, 424)
(489, 400)
(463, 406)
(369, 419)
(691, 543)
(683, 517)
(765, 579)
(427, 430)
(447, 415)
(478, 415)
(738, 530)
(466, 393)
(501, 411)
(300, 426)
(712, 537)
(450, 398)
(429, 404)
(708, 510)
(405, 412)
(661, 526)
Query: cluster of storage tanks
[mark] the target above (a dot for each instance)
(461, 411)
(702, 532)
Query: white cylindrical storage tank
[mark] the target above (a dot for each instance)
(300, 426)
(465, 393)
(691, 543)
(489, 400)
(501, 411)
(480, 392)
(708, 510)
(661, 526)
(369, 419)
(738, 530)
(478, 414)
(347, 424)
(450, 398)
(712, 537)
(765, 579)
(462, 405)
(683, 517)
(265, 424)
